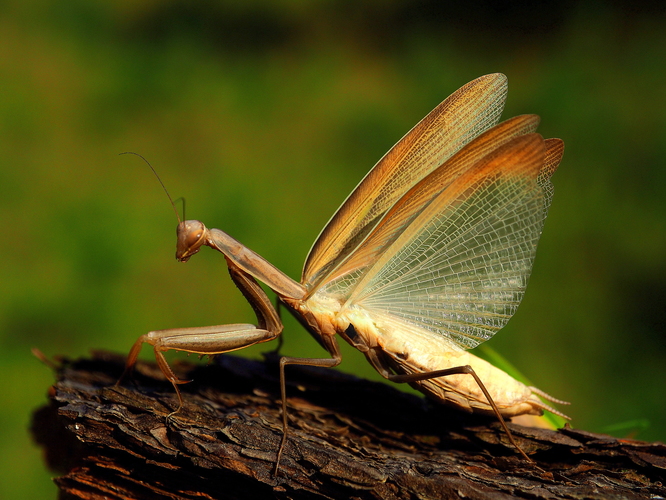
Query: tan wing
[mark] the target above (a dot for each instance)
(461, 267)
(465, 114)
(401, 215)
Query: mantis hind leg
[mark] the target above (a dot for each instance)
(380, 364)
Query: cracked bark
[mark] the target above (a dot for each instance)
(349, 438)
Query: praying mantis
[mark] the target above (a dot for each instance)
(428, 257)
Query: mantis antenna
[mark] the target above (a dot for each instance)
(161, 183)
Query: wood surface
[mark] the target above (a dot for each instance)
(349, 439)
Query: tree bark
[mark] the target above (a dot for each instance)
(348, 438)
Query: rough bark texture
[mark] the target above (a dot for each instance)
(349, 438)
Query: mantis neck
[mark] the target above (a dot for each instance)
(254, 264)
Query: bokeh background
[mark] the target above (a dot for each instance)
(264, 115)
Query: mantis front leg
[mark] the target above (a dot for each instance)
(209, 340)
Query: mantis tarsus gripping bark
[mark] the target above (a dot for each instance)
(429, 256)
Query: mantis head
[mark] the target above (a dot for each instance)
(191, 235)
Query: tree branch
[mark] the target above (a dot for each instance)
(348, 438)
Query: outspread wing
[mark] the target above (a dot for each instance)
(464, 115)
(402, 214)
(460, 266)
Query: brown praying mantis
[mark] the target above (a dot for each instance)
(429, 256)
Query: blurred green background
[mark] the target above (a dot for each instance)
(265, 115)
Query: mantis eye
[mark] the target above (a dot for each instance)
(193, 238)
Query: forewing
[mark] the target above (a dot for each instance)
(461, 267)
(465, 114)
(402, 214)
